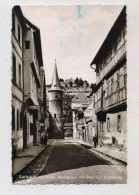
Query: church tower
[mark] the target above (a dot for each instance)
(55, 107)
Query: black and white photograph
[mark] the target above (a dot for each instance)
(69, 94)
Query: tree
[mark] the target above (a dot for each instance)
(76, 81)
(61, 80)
(70, 83)
(80, 82)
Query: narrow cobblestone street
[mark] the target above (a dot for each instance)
(67, 162)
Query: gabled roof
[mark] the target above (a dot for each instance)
(17, 10)
(113, 31)
(37, 41)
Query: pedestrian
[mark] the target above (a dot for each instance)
(95, 140)
(42, 140)
(45, 140)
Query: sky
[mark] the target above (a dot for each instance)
(71, 34)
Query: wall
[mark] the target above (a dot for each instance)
(17, 90)
(105, 136)
(55, 108)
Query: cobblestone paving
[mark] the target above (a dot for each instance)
(35, 167)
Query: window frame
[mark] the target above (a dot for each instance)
(13, 118)
(20, 76)
(14, 68)
(19, 31)
(17, 119)
(119, 123)
(108, 124)
(27, 45)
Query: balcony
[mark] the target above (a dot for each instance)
(115, 99)
(99, 106)
(118, 55)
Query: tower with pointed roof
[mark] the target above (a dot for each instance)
(55, 107)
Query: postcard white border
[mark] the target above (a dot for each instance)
(131, 187)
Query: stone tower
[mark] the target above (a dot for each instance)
(55, 107)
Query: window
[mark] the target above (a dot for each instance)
(93, 101)
(27, 45)
(119, 123)
(17, 120)
(108, 124)
(54, 115)
(56, 96)
(96, 97)
(19, 75)
(21, 119)
(13, 119)
(19, 33)
(14, 69)
(13, 22)
(111, 85)
(107, 88)
(101, 126)
(118, 81)
(125, 77)
(32, 80)
(31, 129)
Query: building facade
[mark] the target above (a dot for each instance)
(79, 103)
(28, 83)
(32, 55)
(18, 27)
(55, 107)
(42, 104)
(110, 93)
